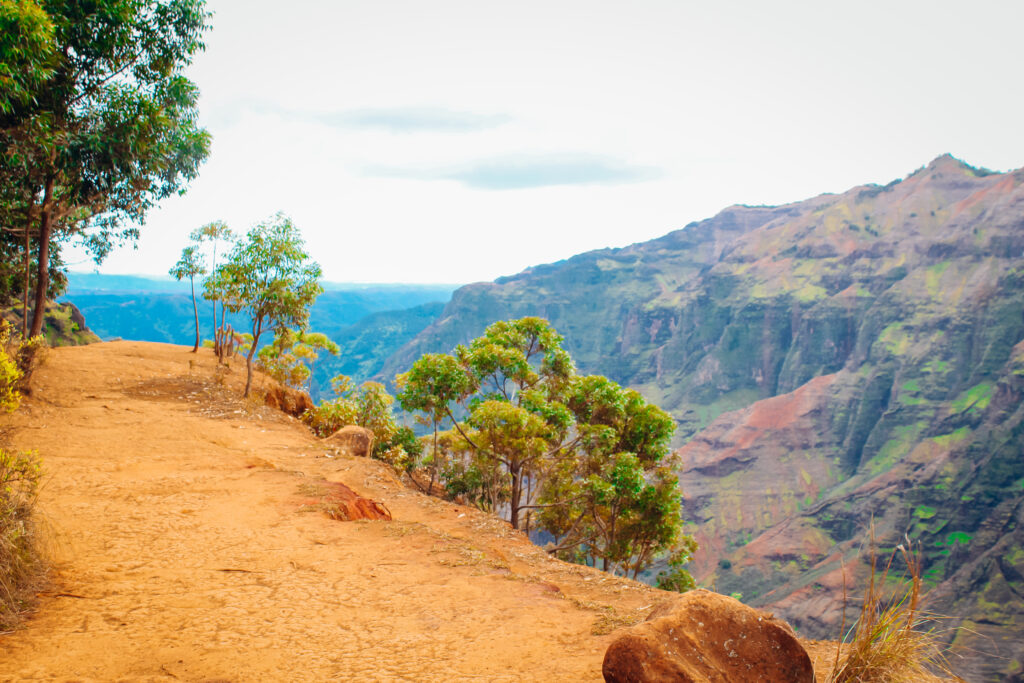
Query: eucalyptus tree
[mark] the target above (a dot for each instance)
(190, 265)
(509, 382)
(106, 125)
(618, 500)
(269, 276)
(529, 433)
(214, 233)
(433, 385)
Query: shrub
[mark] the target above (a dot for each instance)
(19, 559)
(369, 406)
(10, 380)
(17, 361)
(892, 639)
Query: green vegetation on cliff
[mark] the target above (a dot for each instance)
(827, 361)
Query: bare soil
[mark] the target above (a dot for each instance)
(188, 543)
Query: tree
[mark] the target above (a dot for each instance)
(617, 501)
(591, 456)
(104, 124)
(513, 374)
(214, 232)
(189, 265)
(432, 385)
(286, 358)
(268, 275)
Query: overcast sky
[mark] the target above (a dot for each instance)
(448, 141)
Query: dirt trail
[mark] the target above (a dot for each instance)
(187, 546)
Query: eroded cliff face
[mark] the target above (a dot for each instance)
(842, 359)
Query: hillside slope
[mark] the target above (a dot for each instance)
(844, 358)
(189, 546)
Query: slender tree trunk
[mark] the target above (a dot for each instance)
(220, 335)
(256, 330)
(43, 270)
(248, 367)
(195, 310)
(27, 283)
(529, 500)
(433, 468)
(517, 485)
(216, 338)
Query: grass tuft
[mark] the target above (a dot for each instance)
(893, 640)
(21, 568)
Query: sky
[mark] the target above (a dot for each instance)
(459, 141)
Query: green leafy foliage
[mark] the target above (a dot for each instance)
(97, 121)
(10, 373)
(268, 276)
(369, 406)
(26, 52)
(289, 357)
(579, 457)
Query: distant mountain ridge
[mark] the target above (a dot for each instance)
(160, 309)
(845, 358)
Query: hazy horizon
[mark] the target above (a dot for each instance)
(464, 141)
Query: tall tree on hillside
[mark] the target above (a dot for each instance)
(591, 456)
(432, 385)
(107, 126)
(509, 381)
(617, 500)
(27, 58)
(268, 275)
(214, 232)
(190, 265)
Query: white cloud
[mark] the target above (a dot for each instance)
(708, 104)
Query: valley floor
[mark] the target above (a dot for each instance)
(187, 545)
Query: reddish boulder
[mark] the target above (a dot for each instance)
(290, 401)
(353, 441)
(340, 502)
(345, 504)
(706, 637)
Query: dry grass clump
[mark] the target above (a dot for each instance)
(893, 640)
(20, 563)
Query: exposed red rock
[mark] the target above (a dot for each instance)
(751, 469)
(342, 503)
(287, 400)
(703, 636)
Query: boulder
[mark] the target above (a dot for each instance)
(706, 637)
(342, 503)
(290, 401)
(353, 441)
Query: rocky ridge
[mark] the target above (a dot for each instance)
(846, 361)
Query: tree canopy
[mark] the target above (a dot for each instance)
(579, 457)
(269, 276)
(214, 233)
(97, 120)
